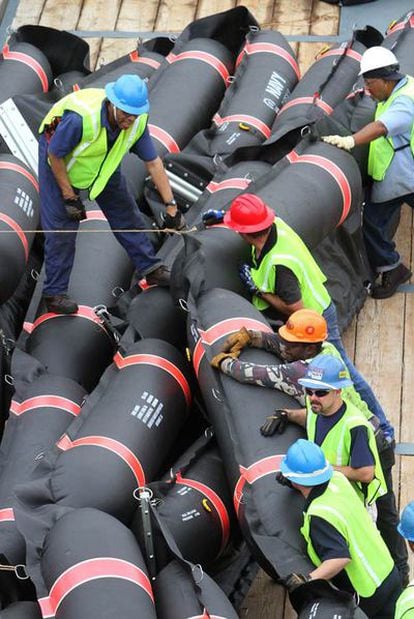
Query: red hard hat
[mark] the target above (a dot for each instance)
(248, 213)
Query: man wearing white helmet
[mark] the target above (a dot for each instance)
(390, 162)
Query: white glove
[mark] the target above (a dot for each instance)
(346, 143)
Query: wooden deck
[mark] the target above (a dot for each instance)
(381, 338)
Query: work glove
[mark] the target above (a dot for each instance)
(176, 222)
(212, 217)
(345, 142)
(283, 481)
(247, 279)
(275, 423)
(293, 581)
(75, 209)
(237, 341)
(217, 359)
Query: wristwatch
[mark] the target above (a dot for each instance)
(172, 202)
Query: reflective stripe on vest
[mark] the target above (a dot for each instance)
(381, 150)
(371, 561)
(290, 251)
(405, 603)
(337, 447)
(90, 165)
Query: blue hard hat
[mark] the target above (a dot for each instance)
(305, 464)
(326, 372)
(406, 526)
(129, 93)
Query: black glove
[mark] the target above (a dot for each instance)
(283, 481)
(177, 221)
(275, 423)
(212, 217)
(293, 581)
(75, 209)
(247, 279)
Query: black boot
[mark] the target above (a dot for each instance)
(60, 304)
(159, 277)
(390, 281)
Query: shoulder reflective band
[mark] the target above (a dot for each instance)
(159, 362)
(252, 473)
(18, 230)
(215, 500)
(121, 450)
(214, 62)
(338, 51)
(86, 571)
(229, 183)
(333, 170)
(15, 167)
(307, 101)
(83, 312)
(96, 215)
(44, 401)
(223, 329)
(165, 138)
(6, 515)
(269, 48)
(135, 57)
(28, 61)
(244, 118)
(401, 25)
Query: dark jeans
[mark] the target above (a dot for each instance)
(388, 517)
(381, 605)
(381, 251)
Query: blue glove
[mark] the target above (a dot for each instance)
(247, 279)
(212, 217)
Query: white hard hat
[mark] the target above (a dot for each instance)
(377, 58)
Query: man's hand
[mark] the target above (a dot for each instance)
(237, 341)
(217, 359)
(247, 279)
(275, 423)
(293, 581)
(345, 142)
(176, 222)
(75, 209)
(212, 217)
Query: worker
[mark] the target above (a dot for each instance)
(297, 342)
(83, 140)
(405, 603)
(390, 163)
(342, 541)
(283, 275)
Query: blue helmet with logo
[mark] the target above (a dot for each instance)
(305, 464)
(326, 372)
(406, 526)
(129, 93)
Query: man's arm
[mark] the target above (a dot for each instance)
(58, 167)
(159, 176)
(329, 568)
(287, 297)
(363, 474)
(284, 308)
(370, 132)
(361, 466)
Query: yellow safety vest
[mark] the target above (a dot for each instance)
(90, 165)
(405, 603)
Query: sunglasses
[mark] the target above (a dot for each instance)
(320, 393)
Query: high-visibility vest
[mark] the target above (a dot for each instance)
(371, 561)
(382, 150)
(405, 603)
(291, 252)
(90, 165)
(337, 448)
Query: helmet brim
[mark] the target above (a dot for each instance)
(307, 479)
(246, 229)
(128, 109)
(320, 384)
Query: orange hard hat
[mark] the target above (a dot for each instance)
(305, 326)
(248, 213)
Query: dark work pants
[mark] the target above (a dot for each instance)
(381, 605)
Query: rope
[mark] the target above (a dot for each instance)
(134, 230)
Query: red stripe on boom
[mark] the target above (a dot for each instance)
(116, 447)
(86, 571)
(18, 230)
(269, 48)
(159, 362)
(307, 101)
(95, 215)
(229, 183)
(204, 57)
(135, 57)
(244, 118)
(333, 170)
(165, 138)
(45, 401)
(15, 167)
(401, 25)
(215, 500)
(340, 52)
(83, 312)
(28, 61)
(252, 473)
(6, 515)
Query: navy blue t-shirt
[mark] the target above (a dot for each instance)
(68, 134)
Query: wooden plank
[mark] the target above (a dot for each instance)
(349, 339)
(262, 10)
(208, 7)
(95, 45)
(137, 15)
(265, 600)
(324, 19)
(111, 49)
(174, 15)
(63, 14)
(28, 12)
(99, 14)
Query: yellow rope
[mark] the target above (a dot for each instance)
(163, 231)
